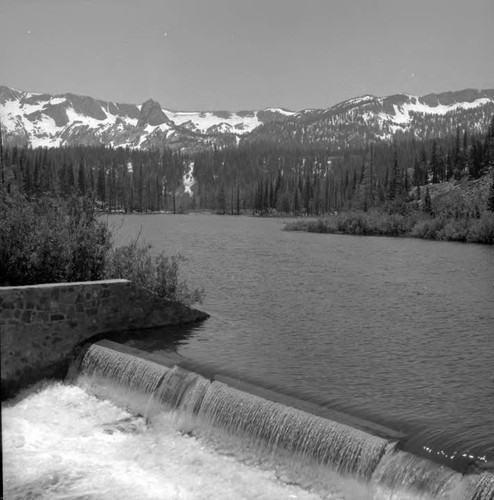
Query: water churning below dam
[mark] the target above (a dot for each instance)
(312, 456)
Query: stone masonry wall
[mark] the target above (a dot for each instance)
(42, 325)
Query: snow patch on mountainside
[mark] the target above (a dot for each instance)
(57, 100)
(47, 127)
(281, 111)
(68, 119)
(77, 118)
(402, 112)
(111, 119)
(15, 119)
(205, 122)
(357, 101)
(188, 179)
(149, 129)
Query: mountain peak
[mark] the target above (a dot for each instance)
(152, 114)
(34, 119)
(8, 94)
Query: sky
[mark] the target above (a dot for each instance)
(245, 54)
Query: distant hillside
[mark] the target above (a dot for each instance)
(356, 122)
(31, 119)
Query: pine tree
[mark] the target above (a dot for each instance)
(490, 197)
(2, 166)
(371, 175)
(394, 180)
(427, 201)
(434, 163)
(449, 167)
(101, 185)
(458, 156)
(221, 200)
(238, 199)
(81, 179)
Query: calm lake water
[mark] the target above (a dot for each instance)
(398, 331)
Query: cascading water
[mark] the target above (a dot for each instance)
(266, 428)
(485, 487)
(182, 390)
(409, 474)
(274, 426)
(129, 371)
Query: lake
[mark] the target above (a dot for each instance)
(396, 331)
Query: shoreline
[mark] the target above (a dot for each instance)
(419, 226)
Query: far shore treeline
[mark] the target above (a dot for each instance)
(448, 179)
(52, 235)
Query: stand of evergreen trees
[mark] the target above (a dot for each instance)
(117, 179)
(312, 181)
(51, 232)
(255, 178)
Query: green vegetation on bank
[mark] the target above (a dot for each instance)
(306, 179)
(461, 211)
(441, 202)
(51, 239)
(414, 224)
(437, 187)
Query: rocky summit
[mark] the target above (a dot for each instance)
(40, 119)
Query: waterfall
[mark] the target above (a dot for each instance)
(268, 428)
(485, 487)
(114, 374)
(182, 390)
(274, 426)
(403, 472)
(130, 371)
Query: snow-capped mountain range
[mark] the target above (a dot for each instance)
(33, 119)
(360, 120)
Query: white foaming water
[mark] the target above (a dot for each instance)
(63, 442)
(197, 438)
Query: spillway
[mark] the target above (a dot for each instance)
(258, 428)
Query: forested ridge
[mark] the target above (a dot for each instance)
(51, 231)
(257, 177)
(356, 122)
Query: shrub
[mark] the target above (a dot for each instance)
(455, 230)
(168, 285)
(50, 240)
(327, 225)
(354, 223)
(159, 275)
(427, 228)
(53, 240)
(317, 226)
(374, 223)
(297, 225)
(395, 225)
(482, 230)
(414, 224)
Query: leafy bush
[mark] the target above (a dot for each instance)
(50, 240)
(298, 225)
(427, 228)
(354, 223)
(396, 225)
(455, 230)
(357, 223)
(53, 240)
(159, 275)
(327, 225)
(415, 224)
(482, 230)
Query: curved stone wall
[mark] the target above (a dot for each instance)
(42, 325)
